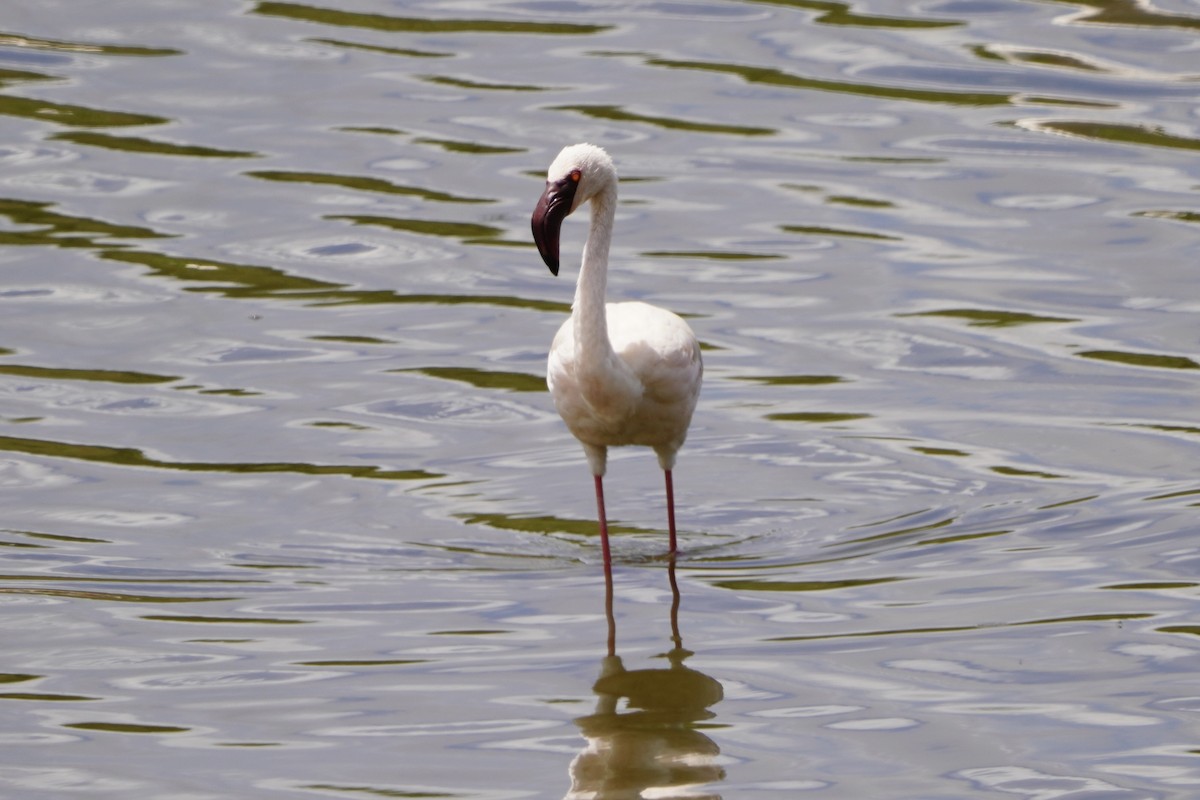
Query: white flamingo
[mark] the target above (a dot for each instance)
(620, 373)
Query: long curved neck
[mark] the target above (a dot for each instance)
(591, 326)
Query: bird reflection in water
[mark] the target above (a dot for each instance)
(649, 745)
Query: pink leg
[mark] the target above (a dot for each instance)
(603, 523)
(670, 509)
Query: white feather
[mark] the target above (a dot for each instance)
(619, 373)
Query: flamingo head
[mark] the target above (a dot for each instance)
(580, 172)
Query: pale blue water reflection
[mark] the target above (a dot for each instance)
(288, 512)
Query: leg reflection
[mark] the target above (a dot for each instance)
(643, 733)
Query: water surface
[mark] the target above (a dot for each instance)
(289, 512)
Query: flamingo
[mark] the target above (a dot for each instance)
(619, 373)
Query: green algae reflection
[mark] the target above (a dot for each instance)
(404, 52)
(132, 457)
(989, 318)
(546, 525)
(58, 113)
(125, 727)
(72, 115)
(484, 378)
(818, 230)
(468, 232)
(386, 22)
(791, 380)
(1128, 12)
(832, 13)
(63, 230)
(46, 227)
(240, 281)
(138, 144)
(817, 417)
(767, 585)
(770, 76)
(98, 375)
(1118, 133)
(1040, 58)
(617, 114)
(362, 184)
(1106, 619)
(10, 39)
(1141, 359)
(463, 83)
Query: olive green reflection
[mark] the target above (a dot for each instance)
(137, 144)
(1141, 359)
(618, 114)
(108, 597)
(1073, 620)
(391, 51)
(386, 22)
(817, 230)
(1152, 586)
(1128, 12)
(990, 318)
(713, 255)
(859, 202)
(468, 232)
(547, 524)
(791, 380)
(1045, 58)
(841, 14)
(1193, 630)
(131, 457)
(8, 76)
(71, 115)
(45, 697)
(761, 585)
(776, 77)
(47, 228)
(1191, 430)
(363, 184)
(99, 375)
(463, 83)
(474, 148)
(1179, 216)
(63, 230)
(1123, 134)
(17, 677)
(124, 727)
(18, 40)
(251, 281)
(223, 620)
(485, 379)
(1016, 472)
(817, 417)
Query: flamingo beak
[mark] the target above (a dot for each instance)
(553, 207)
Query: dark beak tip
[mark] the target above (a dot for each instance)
(547, 219)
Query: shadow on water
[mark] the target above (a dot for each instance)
(653, 742)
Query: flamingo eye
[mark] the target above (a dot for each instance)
(576, 175)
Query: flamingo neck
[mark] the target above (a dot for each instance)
(591, 323)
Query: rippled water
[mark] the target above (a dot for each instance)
(288, 512)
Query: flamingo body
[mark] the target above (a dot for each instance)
(644, 396)
(619, 373)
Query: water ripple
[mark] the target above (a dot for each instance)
(284, 475)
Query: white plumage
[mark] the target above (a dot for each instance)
(620, 373)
